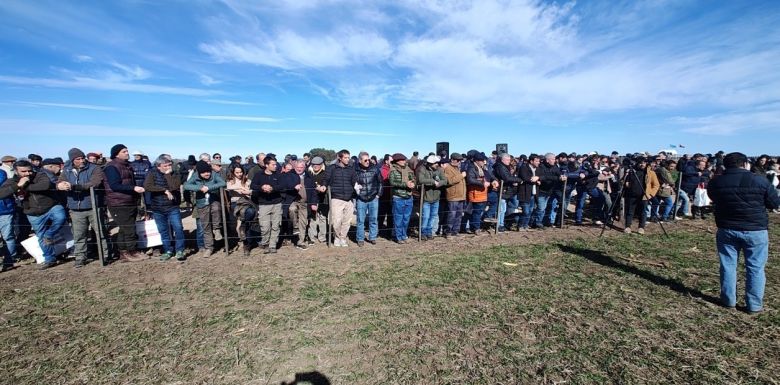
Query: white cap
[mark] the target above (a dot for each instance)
(138, 152)
(432, 159)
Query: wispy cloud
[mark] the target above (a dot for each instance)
(282, 131)
(261, 119)
(232, 102)
(341, 116)
(106, 85)
(38, 127)
(731, 123)
(208, 80)
(82, 58)
(68, 105)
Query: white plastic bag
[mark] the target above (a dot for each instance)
(148, 235)
(63, 243)
(700, 198)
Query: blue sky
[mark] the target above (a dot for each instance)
(240, 77)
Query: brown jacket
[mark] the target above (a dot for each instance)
(456, 184)
(651, 184)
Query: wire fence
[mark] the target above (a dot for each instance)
(231, 236)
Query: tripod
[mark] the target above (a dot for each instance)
(621, 191)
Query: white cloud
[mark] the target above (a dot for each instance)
(261, 119)
(82, 58)
(208, 80)
(322, 132)
(106, 84)
(290, 50)
(68, 105)
(46, 128)
(730, 123)
(232, 102)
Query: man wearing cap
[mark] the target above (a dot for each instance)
(76, 180)
(122, 200)
(403, 183)
(318, 228)
(37, 195)
(369, 187)
(432, 178)
(341, 179)
(206, 184)
(478, 181)
(52, 168)
(36, 161)
(741, 203)
(455, 193)
(8, 165)
(641, 185)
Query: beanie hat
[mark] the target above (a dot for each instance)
(116, 149)
(202, 167)
(75, 153)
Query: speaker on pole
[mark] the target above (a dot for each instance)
(502, 148)
(443, 148)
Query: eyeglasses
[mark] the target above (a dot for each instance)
(364, 160)
(217, 157)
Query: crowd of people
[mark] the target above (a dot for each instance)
(266, 202)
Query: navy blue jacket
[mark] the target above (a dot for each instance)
(741, 200)
(7, 204)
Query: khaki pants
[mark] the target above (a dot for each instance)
(318, 228)
(299, 218)
(81, 221)
(210, 220)
(270, 218)
(341, 214)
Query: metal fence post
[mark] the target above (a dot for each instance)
(99, 227)
(498, 211)
(328, 221)
(419, 219)
(224, 220)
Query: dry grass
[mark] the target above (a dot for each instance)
(623, 309)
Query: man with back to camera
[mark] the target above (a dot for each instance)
(741, 202)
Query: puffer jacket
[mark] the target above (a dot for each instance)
(7, 203)
(81, 180)
(371, 181)
(341, 181)
(398, 178)
(741, 200)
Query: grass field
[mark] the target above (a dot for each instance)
(578, 310)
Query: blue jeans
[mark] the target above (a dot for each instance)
(656, 203)
(402, 213)
(685, 203)
(755, 247)
(525, 216)
(370, 209)
(201, 243)
(429, 211)
(596, 202)
(9, 238)
(454, 216)
(492, 203)
(541, 207)
(47, 227)
(554, 204)
(173, 218)
(477, 210)
(506, 212)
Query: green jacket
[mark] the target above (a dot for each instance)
(428, 178)
(398, 178)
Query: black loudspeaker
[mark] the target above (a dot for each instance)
(443, 147)
(502, 148)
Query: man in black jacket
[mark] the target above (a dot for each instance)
(511, 183)
(741, 201)
(341, 179)
(39, 203)
(267, 194)
(369, 180)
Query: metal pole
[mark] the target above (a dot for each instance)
(500, 197)
(419, 217)
(563, 201)
(328, 222)
(224, 220)
(98, 227)
(677, 198)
